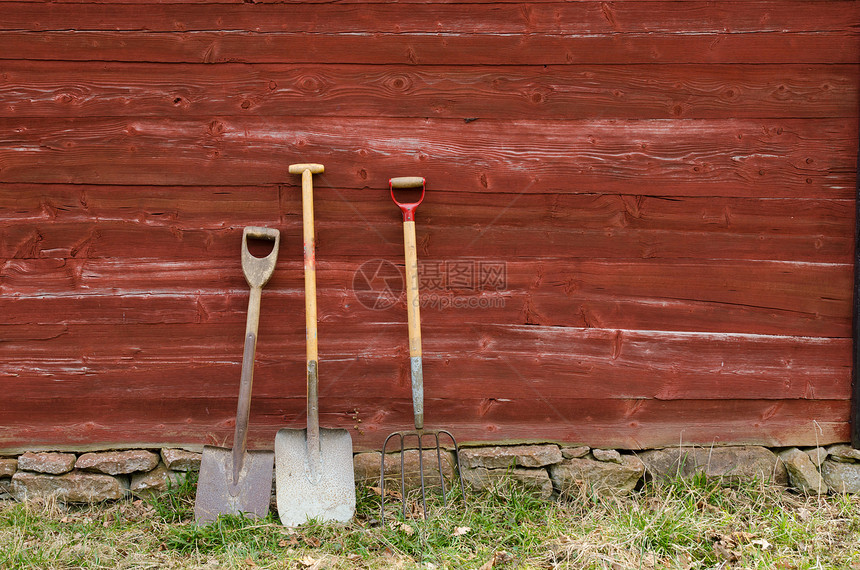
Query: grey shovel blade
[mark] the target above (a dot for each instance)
(332, 496)
(216, 494)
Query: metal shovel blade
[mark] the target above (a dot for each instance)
(218, 495)
(331, 497)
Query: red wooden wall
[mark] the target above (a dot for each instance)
(656, 200)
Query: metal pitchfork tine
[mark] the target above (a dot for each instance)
(414, 319)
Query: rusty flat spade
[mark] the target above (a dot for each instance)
(314, 474)
(237, 481)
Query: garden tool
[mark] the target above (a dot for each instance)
(315, 477)
(416, 366)
(236, 481)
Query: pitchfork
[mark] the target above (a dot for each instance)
(414, 319)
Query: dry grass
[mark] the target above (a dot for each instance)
(685, 525)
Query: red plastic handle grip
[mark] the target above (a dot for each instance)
(408, 208)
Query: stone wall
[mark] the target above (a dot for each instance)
(93, 477)
(545, 469)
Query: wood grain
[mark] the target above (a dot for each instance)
(500, 362)
(81, 89)
(440, 239)
(632, 424)
(224, 207)
(431, 48)
(536, 18)
(752, 297)
(732, 157)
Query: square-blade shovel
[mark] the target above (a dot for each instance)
(237, 481)
(314, 473)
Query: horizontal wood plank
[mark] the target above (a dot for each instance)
(222, 207)
(80, 89)
(750, 297)
(742, 157)
(500, 362)
(440, 241)
(633, 424)
(591, 18)
(431, 48)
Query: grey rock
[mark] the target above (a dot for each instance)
(157, 480)
(575, 476)
(47, 462)
(802, 472)
(118, 462)
(412, 468)
(536, 481)
(737, 463)
(817, 455)
(575, 452)
(8, 467)
(841, 477)
(180, 459)
(504, 457)
(610, 455)
(843, 453)
(74, 487)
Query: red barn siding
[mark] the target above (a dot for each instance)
(669, 185)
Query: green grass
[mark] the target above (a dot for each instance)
(684, 524)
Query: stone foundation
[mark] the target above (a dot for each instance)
(545, 469)
(93, 477)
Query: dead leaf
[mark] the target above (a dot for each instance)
(726, 553)
(703, 506)
(388, 492)
(461, 530)
(762, 542)
(500, 557)
(406, 528)
(250, 563)
(311, 541)
(309, 562)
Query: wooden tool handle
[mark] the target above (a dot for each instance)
(309, 242)
(243, 410)
(407, 182)
(257, 272)
(313, 433)
(300, 168)
(413, 312)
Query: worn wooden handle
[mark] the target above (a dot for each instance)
(407, 182)
(301, 167)
(413, 313)
(258, 270)
(313, 433)
(309, 264)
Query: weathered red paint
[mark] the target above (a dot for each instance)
(669, 188)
